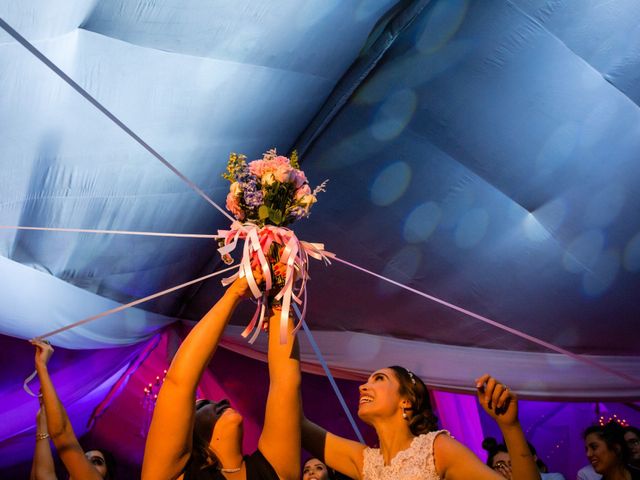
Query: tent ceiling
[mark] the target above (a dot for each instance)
(490, 159)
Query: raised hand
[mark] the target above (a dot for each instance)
(44, 351)
(497, 400)
(240, 286)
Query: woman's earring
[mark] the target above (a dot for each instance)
(404, 413)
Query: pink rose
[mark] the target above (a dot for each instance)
(279, 166)
(302, 191)
(257, 168)
(283, 173)
(298, 178)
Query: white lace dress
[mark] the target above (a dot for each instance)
(414, 463)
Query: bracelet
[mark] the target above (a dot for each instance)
(230, 470)
(42, 436)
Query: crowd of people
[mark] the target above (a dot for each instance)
(192, 438)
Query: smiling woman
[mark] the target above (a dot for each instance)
(608, 452)
(315, 469)
(395, 402)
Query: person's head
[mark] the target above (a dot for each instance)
(606, 447)
(632, 439)
(315, 469)
(103, 461)
(397, 392)
(497, 456)
(217, 428)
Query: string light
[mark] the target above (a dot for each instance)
(614, 418)
(149, 399)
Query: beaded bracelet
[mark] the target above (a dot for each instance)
(42, 436)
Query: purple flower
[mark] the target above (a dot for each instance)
(253, 198)
(296, 213)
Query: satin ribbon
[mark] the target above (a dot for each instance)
(295, 254)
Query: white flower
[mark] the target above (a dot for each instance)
(307, 200)
(268, 178)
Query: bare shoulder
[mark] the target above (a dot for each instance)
(445, 443)
(446, 450)
(455, 461)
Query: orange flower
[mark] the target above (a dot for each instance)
(280, 269)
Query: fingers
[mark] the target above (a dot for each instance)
(498, 389)
(503, 400)
(508, 471)
(44, 351)
(481, 381)
(492, 393)
(504, 470)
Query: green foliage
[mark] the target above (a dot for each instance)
(234, 165)
(295, 162)
(263, 212)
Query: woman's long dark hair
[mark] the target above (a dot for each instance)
(422, 419)
(201, 454)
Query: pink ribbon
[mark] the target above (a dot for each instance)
(295, 256)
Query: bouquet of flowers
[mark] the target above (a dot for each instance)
(265, 196)
(269, 191)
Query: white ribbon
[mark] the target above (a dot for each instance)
(295, 256)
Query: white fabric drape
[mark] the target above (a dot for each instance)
(353, 355)
(34, 303)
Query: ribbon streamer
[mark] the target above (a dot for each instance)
(258, 242)
(110, 232)
(118, 309)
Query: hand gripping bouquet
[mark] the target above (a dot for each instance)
(265, 196)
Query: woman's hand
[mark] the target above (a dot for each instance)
(503, 469)
(497, 400)
(44, 351)
(240, 286)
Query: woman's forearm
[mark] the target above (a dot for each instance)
(280, 438)
(523, 465)
(57, 419)
(283, 358)
(195, 352)
(169, 441)
(42, 467)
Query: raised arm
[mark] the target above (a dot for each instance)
(42, 467)
(169, 442)
(502, 405)
(280, 438)
(58, 424)
(341, 454)
(454, 461)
